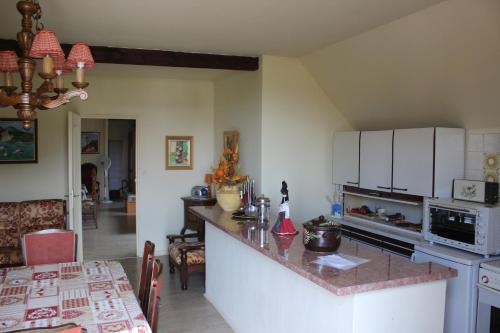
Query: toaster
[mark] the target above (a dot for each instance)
(199, 192)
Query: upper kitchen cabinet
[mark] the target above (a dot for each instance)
(376, 160)
(346, 158)
(413, 162)
(449, 163)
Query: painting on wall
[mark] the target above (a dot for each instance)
(90, 142)
(231, 139)
(179, 152)
(17, 144)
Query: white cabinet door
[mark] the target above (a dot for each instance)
(346, 158)
(413, 161)
(376, 160)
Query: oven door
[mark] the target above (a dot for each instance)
(454, 224)
(488, 310)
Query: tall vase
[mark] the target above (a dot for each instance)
(228, 198)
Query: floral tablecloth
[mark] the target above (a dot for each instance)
(95, 294)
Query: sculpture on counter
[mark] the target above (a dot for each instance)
(284, 225)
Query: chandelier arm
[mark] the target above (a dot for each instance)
(8, 100)
(52, 103)
(44, 88)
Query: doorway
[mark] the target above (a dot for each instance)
(108, 175)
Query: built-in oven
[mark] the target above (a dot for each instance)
(464, 225)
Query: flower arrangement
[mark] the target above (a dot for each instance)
(227, 173)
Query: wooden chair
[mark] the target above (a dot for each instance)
(154, 296)
(50, 246)
(188, 257)
(146, 270)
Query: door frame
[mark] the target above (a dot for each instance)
(137, 166)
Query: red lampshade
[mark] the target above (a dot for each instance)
(45, 43)
(60, 64)
(80, 52)
(8, 61)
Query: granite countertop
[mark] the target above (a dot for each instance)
(381, 272)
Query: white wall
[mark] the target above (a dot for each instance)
(436, 67)
(47, 178)
(298, 122)
(162, 107)
(238, 106)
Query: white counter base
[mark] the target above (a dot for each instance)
(256, 294)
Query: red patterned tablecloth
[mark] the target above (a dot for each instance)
(95, 294)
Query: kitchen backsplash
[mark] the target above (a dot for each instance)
(482, 159)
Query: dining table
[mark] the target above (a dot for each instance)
(94, 294)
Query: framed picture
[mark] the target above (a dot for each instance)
(179, 152)
(90, 142)
(231, 139)
(18, 145)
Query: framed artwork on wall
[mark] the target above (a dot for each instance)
(179, 152)
(90, 142)
(18, 145)
(231, 139)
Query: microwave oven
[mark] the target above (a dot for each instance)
(468, 226)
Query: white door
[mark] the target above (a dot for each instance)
(346, 158)
(74, 180)
(375, 167)
(413, 161)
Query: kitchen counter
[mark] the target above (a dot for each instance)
(382, 271)
(264, 283)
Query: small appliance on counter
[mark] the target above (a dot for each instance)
(468, 226)
(475, 191)
(488, 308)
(199, 192)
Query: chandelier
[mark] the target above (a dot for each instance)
(41, 45)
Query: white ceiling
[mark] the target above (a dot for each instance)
(243, 27)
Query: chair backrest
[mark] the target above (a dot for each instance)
(154, 295)
(51, 246)
(147, 266)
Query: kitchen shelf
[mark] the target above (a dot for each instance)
(412, 203)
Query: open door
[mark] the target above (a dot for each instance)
(74, 203)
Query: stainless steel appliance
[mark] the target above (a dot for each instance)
(468, 226)
(488, 309)
(199, 192)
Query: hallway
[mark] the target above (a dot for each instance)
(115, 237)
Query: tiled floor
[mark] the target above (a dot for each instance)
(181, 310)
(115, 227)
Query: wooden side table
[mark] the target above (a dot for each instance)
(191, 221)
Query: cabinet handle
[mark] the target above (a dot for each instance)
(400, 189)
(384, 187)
(353, 183)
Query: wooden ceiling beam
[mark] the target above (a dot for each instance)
(124, 56)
